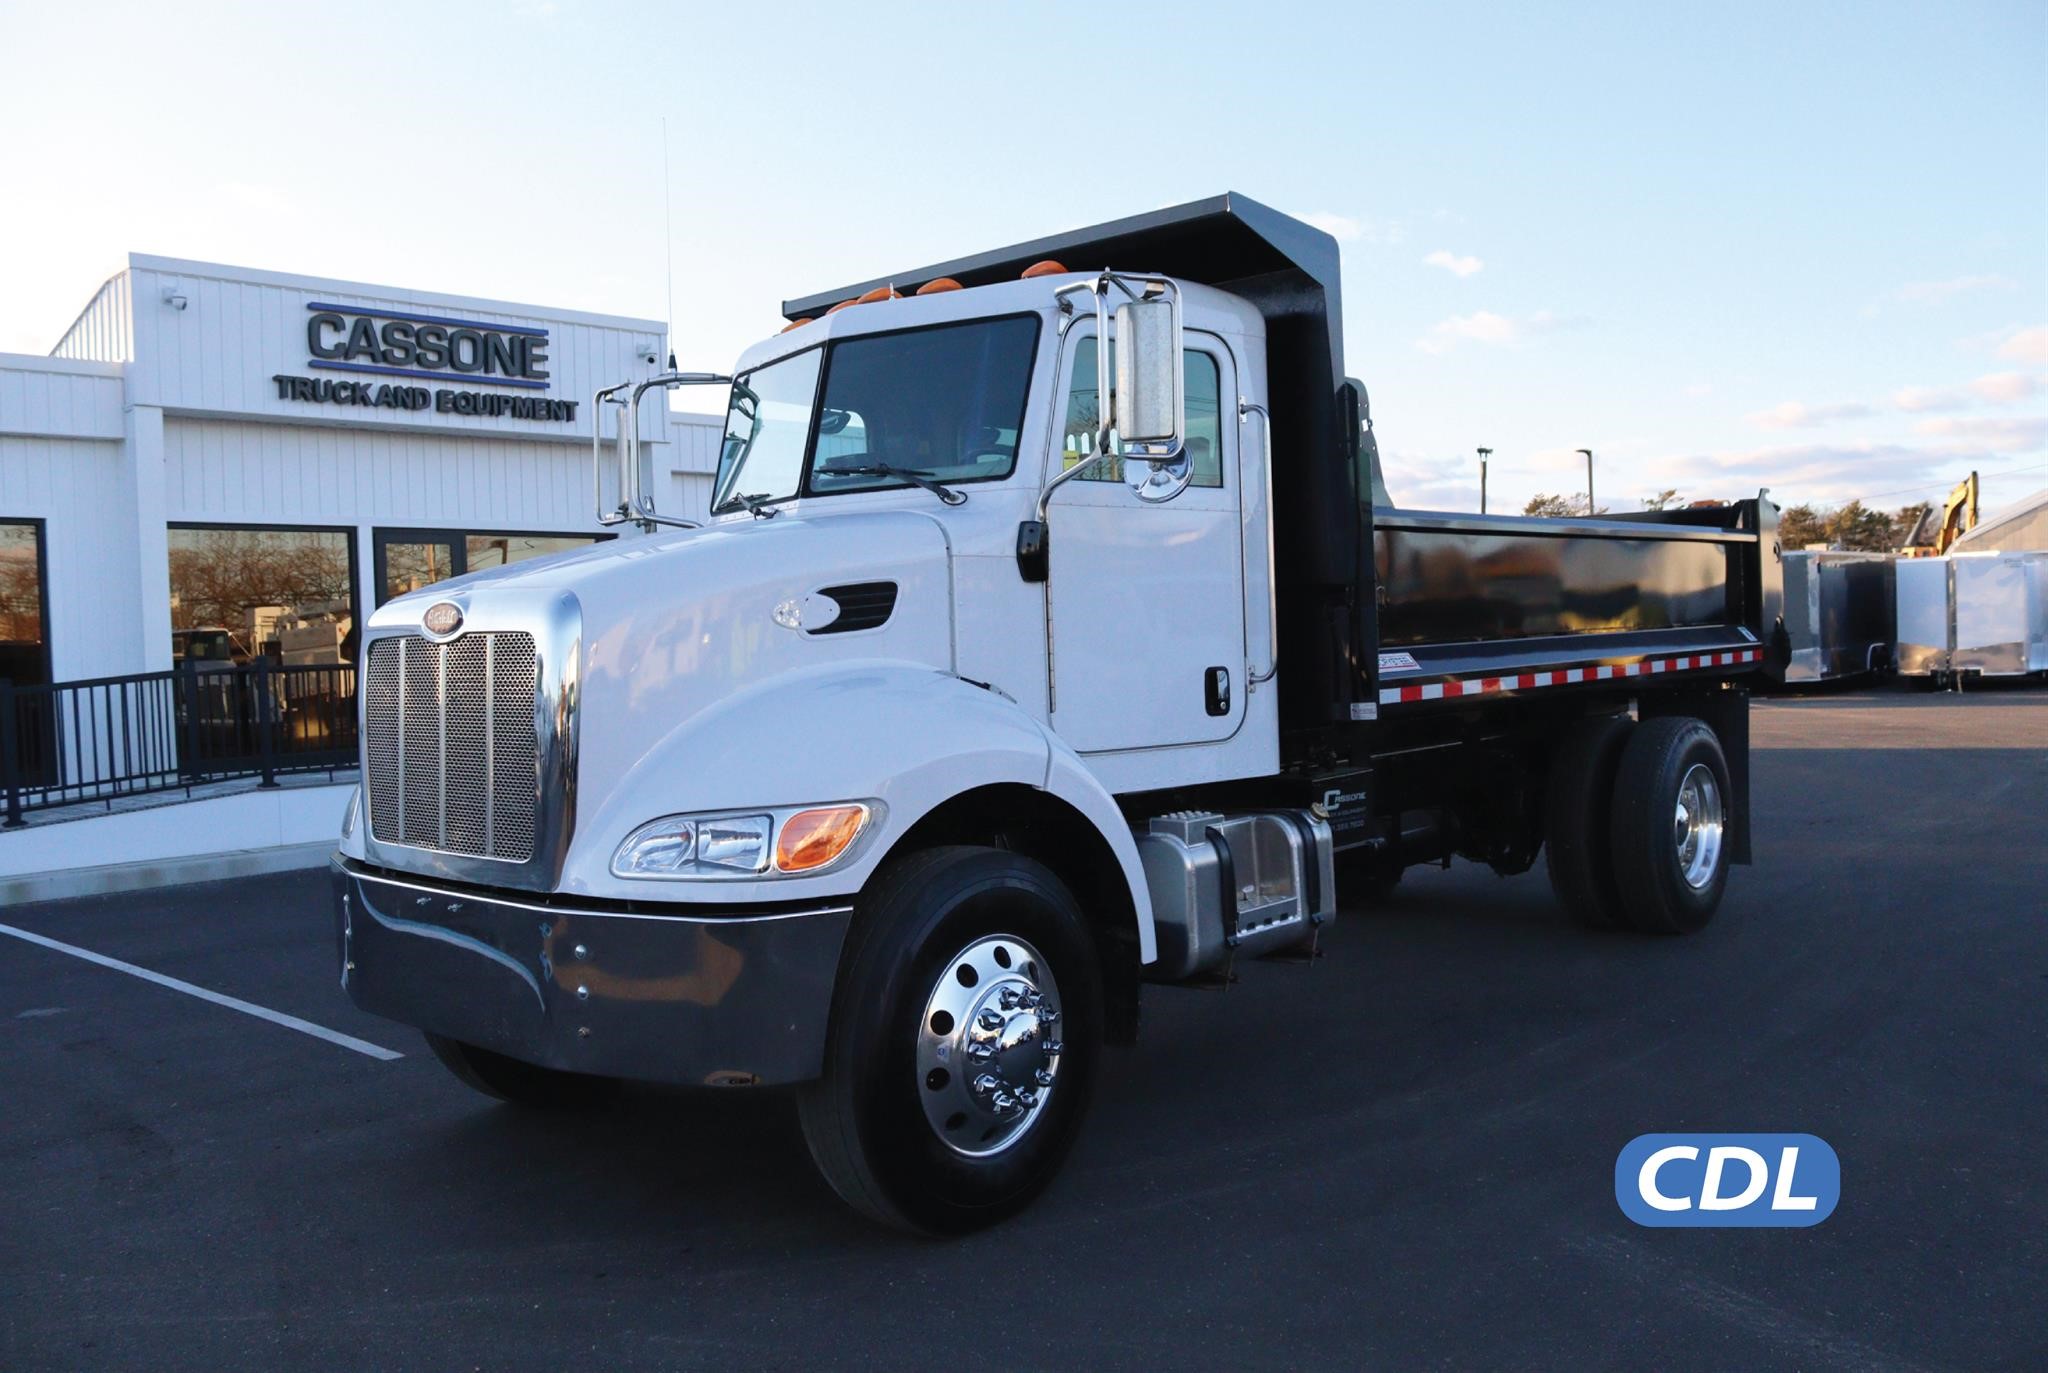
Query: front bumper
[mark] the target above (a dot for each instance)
(728, 998)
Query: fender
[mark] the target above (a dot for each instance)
(906, 735)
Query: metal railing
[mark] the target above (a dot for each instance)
(85, 742)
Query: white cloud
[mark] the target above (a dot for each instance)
(1921, 399)
(1700, 388)
(1941, 292)
(1995, 434)
(1547, 322)
(2026, 345)
(1482, 326)
(1793, 414)
(2006, 388)
(1340, 227)
(1345, 229)
(2000, 388)
(1827, 473)
(1452, 263)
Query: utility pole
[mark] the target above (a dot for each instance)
(1590, 507)
(1484, 454)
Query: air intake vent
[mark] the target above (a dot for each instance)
(862, 605)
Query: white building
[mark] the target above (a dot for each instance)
(218, 462)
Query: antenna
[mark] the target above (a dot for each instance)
(668, 236)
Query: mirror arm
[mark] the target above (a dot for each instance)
(1245, 409)
(635, 504)
(1045, 495)
(597, 402)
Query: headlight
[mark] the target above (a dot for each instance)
(759, 844)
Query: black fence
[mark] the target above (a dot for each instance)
(74, 743)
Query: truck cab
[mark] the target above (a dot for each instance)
(1031, 653)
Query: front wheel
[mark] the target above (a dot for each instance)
(1671, 824)
(962, 1050)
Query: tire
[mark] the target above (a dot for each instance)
(1672, 772)
(1578, 809)
(523, 1084)
(895, 1124)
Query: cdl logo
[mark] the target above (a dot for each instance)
(1732, 1180)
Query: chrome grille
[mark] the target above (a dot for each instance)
(451, 750)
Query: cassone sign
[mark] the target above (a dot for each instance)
(398, 343)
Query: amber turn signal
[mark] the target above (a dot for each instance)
(812, 838)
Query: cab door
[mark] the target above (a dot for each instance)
(1146, 600)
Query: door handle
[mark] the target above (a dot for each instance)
(1216, 690)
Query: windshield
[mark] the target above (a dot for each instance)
(766, 426)
(945, 403)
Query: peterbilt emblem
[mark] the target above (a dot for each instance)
(442, 618)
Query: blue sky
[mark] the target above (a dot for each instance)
(1795, 245)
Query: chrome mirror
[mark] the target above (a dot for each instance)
(1151, 407)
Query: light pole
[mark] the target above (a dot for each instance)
(1484, 454)
(1590, 507)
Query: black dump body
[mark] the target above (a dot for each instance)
(1385, 612)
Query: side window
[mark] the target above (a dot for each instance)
(1203, 384)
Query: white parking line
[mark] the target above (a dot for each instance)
(233, 1003)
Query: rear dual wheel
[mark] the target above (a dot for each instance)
(1637, 823)
(1670, 826)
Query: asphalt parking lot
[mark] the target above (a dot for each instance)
(1400, 1156)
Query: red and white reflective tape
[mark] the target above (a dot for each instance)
(1453, 687)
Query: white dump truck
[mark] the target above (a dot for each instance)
(1051, 634)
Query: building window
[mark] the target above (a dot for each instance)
(24, 604)
(408, 559)
(237, 594)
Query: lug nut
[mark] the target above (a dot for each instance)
(1053, 1047)
(1044, 1076)
(990, 1019)
(981, 1053)
(1008, 998)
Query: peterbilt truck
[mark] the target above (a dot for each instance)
(1051, 635)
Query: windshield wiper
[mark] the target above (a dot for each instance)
(756, 505)
(910, 474)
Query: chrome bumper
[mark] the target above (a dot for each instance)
(732, 997)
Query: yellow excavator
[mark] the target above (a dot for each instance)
(1937, 531)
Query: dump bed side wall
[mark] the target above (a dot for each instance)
(1476, 604)
(1452, 585)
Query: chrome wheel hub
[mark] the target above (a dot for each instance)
(1696, 826)
(988, 1048)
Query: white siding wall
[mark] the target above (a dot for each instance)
(59, 399)
(151, 414)
(239, 329)
(693, 462)
(74, 486)
(311, 474)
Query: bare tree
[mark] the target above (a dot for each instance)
(1559, 507)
